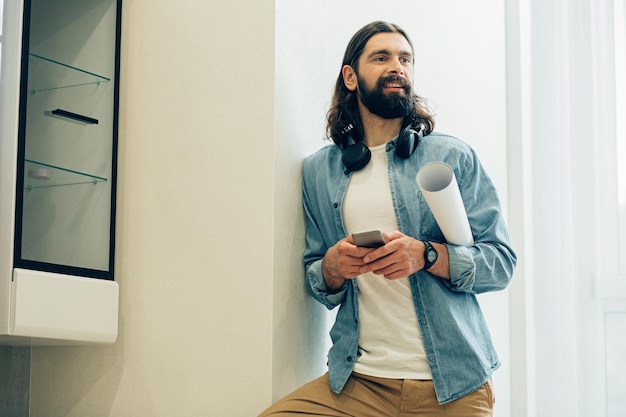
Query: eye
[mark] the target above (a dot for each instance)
(406, 60)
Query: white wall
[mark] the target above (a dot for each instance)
(9, 96)
(195, 223)
(460, 69)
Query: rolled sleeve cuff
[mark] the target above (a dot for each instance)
(462, 268)
(318, 288)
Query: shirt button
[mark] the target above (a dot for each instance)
(335, 205)
(349, 358)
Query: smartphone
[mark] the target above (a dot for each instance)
(369, 239)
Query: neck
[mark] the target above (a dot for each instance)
(376, 130)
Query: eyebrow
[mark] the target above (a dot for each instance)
(388, 52)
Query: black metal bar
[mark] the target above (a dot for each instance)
(75, 116)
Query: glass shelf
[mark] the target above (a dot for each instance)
(41, 175)
(47, 74)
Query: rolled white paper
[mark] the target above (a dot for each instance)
(438, 184)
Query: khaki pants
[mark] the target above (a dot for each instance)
(366, 396)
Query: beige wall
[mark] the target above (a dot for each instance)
(195, 223)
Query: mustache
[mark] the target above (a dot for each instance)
(394, 79)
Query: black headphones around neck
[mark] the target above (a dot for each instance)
(356, 155)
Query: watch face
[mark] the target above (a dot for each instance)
(432, 255)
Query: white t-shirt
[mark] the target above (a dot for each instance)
(390, 343)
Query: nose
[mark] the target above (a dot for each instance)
(396, 66)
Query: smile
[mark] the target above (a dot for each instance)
(393, 83)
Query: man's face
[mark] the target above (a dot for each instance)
(385, 76)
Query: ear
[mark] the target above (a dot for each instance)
(349, 77)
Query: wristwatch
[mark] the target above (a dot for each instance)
(430, 255)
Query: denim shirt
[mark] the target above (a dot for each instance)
(456, 339)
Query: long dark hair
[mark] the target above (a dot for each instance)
(343, 115)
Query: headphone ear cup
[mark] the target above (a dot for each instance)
(356, 156)
(407, 142)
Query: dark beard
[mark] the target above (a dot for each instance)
(391, 106)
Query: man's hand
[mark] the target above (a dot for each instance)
(400, 257)
(342, 261)
(403, 256)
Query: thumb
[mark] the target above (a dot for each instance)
(395, 234)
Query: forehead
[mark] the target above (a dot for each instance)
(388, 41)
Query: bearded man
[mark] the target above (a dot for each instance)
(409, 337)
